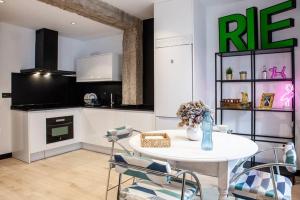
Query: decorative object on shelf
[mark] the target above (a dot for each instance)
(276, 73)
(155, 140)
(230, 103)
(266, 101)
(243, 75)
(237, 103)
(264, 73)
(193, 114)
(288, 95)
(229, 74)
(245, 104)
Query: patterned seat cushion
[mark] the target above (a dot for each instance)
(119, 133)
(144, 164)
(258, 185)
(290, 157)
(147, 190)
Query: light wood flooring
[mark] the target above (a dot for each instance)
(79, 175)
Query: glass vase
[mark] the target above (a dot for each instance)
(207, 127)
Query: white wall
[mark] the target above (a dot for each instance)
(112, 44)
(240, 120)
(69, 50)
(17, 51)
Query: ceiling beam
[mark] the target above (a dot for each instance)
(97, 10)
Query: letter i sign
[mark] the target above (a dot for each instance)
(249, 24)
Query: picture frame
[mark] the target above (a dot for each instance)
(267, 100)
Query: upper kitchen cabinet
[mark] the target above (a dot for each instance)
(173, 18)
(104, 67)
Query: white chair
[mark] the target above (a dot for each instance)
(253, 183)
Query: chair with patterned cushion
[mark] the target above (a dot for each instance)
(114, 136)
(253, 183)
(154, 180)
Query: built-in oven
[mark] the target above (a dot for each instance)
(59, 129)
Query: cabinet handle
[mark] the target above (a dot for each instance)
(172, 61)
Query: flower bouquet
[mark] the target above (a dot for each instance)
(193, 114)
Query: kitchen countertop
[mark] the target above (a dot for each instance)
(115, 107)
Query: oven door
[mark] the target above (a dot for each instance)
(59, 129)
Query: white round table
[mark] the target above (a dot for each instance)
(186, 154)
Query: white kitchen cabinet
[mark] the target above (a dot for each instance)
(90, 127)
(173, 18)
(166, 123)
(173, 79)
(96, 122)
(104, 67)
(29, 133)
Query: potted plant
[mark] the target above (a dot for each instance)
(243, 75)
(192, 115)
(229, 73)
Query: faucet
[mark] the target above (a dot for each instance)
(111, 100)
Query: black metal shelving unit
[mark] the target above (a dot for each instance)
(219, 84)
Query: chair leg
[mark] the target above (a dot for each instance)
(119, 186)
(107, 183)
(183, 187)
(109, 171)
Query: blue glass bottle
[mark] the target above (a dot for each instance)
(207, 127)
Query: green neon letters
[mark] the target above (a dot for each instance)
(249, 24)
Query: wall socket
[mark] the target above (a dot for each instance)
(6, 95)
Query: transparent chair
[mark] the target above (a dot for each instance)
(147, 174)
(114, 136)
(255, 183)
(154, 180)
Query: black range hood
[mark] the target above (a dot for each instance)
(46, 54)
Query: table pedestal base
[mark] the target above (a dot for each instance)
(221, 170)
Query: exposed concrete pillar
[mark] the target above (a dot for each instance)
(102, 12)
(132, 65)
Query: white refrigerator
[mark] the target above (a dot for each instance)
(173, 83)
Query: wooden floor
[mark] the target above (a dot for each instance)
(79, 175)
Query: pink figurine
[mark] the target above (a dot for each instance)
(276, 73)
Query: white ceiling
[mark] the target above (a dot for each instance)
(35, 15)
(142, 9)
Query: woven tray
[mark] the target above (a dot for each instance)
(152, 140)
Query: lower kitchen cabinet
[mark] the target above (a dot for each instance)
(30, 133)
(96, 122)
(89, 128)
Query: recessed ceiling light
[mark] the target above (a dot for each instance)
(73, 23)
(2, 1)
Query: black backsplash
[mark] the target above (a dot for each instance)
(60, 90)
(102, 90)
(55, 89)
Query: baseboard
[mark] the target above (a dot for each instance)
(54, 152)
(98, 149)
(5, 156)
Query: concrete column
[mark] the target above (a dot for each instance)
(132, 65)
